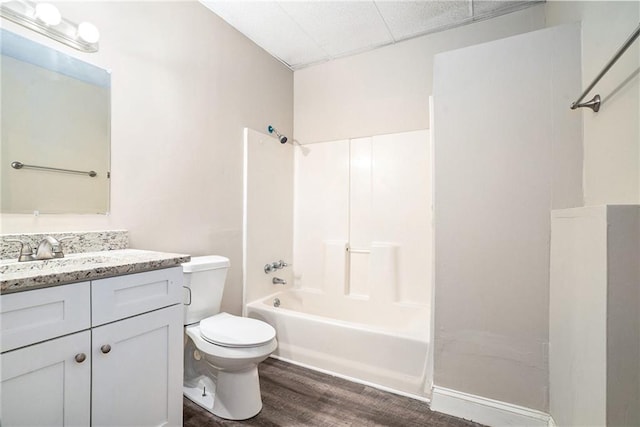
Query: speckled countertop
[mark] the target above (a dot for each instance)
(22, 276)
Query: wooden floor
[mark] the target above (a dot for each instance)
(295, 396)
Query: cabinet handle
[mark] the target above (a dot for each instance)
(105, 348)
(80, 357)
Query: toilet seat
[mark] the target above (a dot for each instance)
(231, 331)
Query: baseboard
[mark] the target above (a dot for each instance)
(486, 411)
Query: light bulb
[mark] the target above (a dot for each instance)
(48, 13)
(88, 32)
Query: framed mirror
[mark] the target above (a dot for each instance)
(55, 130)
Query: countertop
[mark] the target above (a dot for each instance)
(22, 276)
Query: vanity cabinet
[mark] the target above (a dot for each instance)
(118, 363)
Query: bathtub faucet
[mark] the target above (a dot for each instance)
(278, 281)
(276, 265)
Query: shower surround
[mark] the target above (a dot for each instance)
(357, 302)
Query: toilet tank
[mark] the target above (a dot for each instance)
(204, 279)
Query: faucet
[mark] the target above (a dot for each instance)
(278, 281)
(268, 268)
(49, 248)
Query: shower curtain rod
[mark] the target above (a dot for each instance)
(594, 103)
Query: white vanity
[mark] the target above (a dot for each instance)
(106, 351)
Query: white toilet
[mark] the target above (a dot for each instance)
(221, 351)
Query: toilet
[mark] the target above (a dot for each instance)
(221, 351)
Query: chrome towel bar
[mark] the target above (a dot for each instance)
(20, 165)
(594, 103)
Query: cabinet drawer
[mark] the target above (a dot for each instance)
(119, 297)
(33, 316)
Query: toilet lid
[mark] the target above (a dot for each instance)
(227, 330)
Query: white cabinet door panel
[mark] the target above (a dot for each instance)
(44, 385)
(138, 381)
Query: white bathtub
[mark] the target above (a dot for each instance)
(382, 345)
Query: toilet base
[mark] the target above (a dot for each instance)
(235, 396)
(195, 394)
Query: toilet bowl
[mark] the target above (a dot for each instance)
(222, 351)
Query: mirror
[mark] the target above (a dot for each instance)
(55, 130)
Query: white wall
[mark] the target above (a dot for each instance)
(268, 223)
(184, 85)
(611, 136)
(577, 317)
(387, 90)
(499, 170)
(594, 316)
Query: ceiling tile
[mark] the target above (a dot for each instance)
(303, 32)
(271, 28)
(340, 27)
(407, 19)
(491, 8)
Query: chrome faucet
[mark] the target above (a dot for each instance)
(277, 265)
(278, 281)
(49, 248)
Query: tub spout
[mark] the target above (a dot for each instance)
(278, 281)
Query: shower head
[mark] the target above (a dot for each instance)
(281, 138)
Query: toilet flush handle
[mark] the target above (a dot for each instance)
(188, 293)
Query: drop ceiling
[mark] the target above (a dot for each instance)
(302, 33)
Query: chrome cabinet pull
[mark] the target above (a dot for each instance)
(80, 357)
(105, 348)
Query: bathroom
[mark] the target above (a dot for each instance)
(185, 85)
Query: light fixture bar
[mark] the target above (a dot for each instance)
(83, 37)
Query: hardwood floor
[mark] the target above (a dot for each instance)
(295, 396)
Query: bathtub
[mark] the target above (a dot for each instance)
(382, 345)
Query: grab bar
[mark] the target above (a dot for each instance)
(594, 103)
(359, 251)
(20, 165)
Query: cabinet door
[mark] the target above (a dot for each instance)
(46, 384)
(137, 370)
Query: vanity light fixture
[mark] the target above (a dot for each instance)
(48, 14)
(46, 19)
